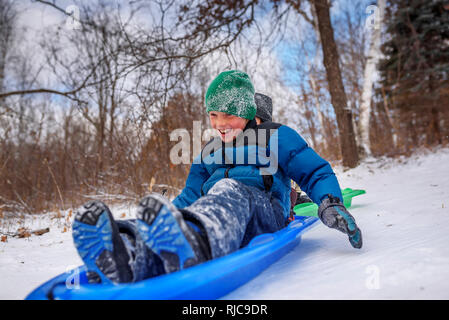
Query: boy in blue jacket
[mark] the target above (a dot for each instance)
(237, 188)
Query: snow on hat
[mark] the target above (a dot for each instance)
(264, 107)
(232, 92)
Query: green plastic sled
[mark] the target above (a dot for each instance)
(310, 209)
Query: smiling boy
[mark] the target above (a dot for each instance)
(227, 199)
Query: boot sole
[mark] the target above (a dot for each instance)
(160, 229)
(92, 235)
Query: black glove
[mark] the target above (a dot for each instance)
(334, 215)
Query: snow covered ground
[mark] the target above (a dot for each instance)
(404, 218)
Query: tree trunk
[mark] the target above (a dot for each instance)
(435, 133)
(392, 126)
(370, 70)
(338, 96)
(318, 108)
(313, 81)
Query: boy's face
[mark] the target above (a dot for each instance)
(227, 125)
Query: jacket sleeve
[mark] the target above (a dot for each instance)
(302, 164)
(192, 190)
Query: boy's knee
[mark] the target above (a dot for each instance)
(223, 185)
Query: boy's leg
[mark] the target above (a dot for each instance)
(143, 262)
(233, 213)
(221, 222)
(117, 251)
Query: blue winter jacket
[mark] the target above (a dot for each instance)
(266, 156)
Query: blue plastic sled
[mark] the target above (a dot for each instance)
(210, 280)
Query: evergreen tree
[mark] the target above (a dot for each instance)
(415, 69)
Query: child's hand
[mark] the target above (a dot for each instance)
(334, 215)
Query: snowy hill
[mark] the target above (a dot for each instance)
(404, 218)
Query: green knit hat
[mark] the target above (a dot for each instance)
(232, 92)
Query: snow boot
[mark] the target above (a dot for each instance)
(98, 241)
(167, 235)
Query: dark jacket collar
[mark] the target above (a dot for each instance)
(251, 124)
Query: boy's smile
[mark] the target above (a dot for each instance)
(227, 125)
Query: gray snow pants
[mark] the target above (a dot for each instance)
(233, 213)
